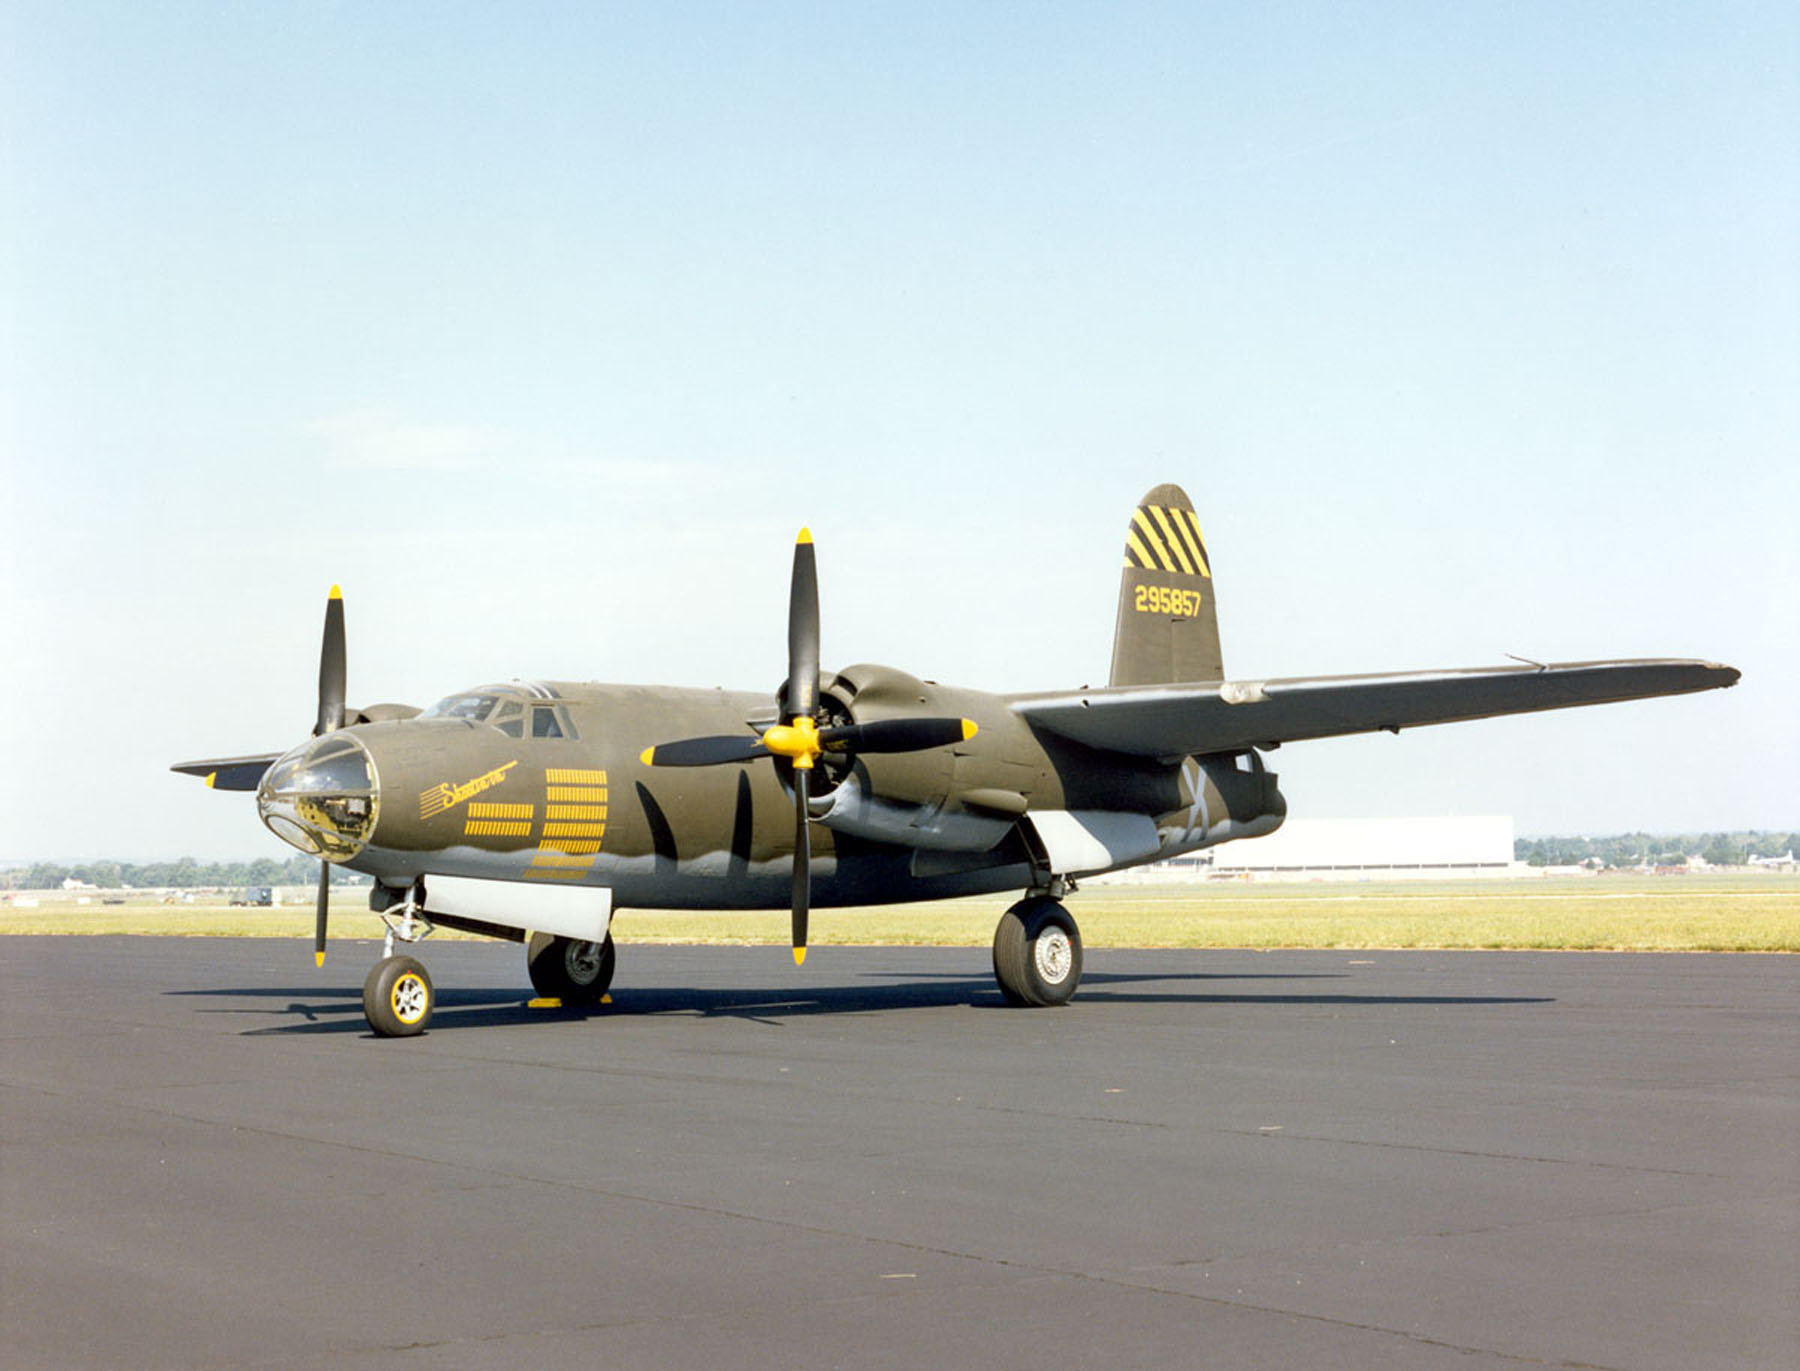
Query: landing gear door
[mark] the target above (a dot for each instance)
(581, 913)
(1079, 842)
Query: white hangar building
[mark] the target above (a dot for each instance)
(1357, 849)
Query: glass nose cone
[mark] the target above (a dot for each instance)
(322, 797)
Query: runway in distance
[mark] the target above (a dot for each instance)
(531, 811)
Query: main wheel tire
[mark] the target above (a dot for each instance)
(1037, 953)
(397, 997)
(577, 973)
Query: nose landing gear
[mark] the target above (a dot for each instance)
(397, 996)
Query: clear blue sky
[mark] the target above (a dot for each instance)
(1471, 329)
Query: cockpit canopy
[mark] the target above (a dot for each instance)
(519, 710)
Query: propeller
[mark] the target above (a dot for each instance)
(798, 737)
(331, 718)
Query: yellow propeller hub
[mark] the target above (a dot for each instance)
(798, 742)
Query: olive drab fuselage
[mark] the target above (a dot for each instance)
(454, 796)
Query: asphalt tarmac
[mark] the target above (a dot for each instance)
(1233, 1159)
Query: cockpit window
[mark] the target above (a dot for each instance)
(474, 708)
(512, 710)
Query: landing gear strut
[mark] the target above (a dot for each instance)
(1037, 953)
(397, 996)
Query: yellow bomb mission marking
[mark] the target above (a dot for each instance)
(445, 796)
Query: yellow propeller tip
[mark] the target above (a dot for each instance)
(212, 780)
(969, 729)
(799, 956)
(318, 959)
(646, 755)
(336, 593)
(805, 536)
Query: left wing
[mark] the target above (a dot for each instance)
(1229, 716)
(230, 773)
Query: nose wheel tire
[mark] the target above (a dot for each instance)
(577, 973)
(1037, 953)
(397, 997)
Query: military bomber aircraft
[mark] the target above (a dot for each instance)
(530, 811)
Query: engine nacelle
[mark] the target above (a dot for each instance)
(851, 809)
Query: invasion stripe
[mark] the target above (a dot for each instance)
(1136, 554)
(497, 828)
(1168, 532)
(1152, 540)
(1189, 524)
(486, 810)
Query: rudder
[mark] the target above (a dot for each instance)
(1168, 625)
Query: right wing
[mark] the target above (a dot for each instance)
(1230, 716)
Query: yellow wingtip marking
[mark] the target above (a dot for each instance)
(336, 593)
(805, 536)
(318, 959)
(799, 956)
(969, 729)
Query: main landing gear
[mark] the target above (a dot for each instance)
(1037, 952)
(576, 973)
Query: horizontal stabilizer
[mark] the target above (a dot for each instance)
(1184, 720)
(230, 773)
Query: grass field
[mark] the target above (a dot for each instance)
(1685, 913)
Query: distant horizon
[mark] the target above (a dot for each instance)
(1519, 835)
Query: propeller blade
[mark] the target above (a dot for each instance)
(324, 912)
(896, 735)
(331, 666)
(802, 863)
(803, 632)
(713, 751)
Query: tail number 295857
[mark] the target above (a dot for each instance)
(1179, 604)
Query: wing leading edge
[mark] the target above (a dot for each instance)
(1179, 720)
(230, 773)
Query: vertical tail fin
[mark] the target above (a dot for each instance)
(1168, 627)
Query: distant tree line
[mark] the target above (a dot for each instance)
(182, 874)
(1653, 849)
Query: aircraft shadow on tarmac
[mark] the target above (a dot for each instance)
(339, 1010)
